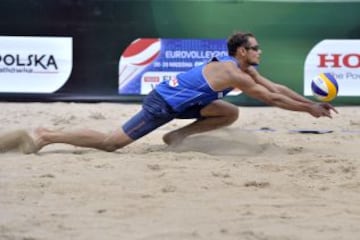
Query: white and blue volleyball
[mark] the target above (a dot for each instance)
(324, 87)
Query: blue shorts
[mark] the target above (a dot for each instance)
(156, 112)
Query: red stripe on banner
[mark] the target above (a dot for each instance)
(138, 46)
(148, 60)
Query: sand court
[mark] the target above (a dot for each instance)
(254, 180)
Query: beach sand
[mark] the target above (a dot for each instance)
(258, 179)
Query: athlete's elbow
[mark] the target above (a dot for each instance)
(281, 88)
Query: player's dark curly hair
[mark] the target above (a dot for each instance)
(236, 40)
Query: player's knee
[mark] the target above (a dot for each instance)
(232, 114)
(115, 141)
(111, 146)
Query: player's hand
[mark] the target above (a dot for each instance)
(322, 110)
(329, 107)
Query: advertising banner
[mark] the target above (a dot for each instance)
(146, 62)
(341, 58)
(119, 50)
(34, 64)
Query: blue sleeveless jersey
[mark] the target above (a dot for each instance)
(191, 88)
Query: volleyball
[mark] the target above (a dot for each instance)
(324, 87)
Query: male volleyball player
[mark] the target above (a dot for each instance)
(195, 94)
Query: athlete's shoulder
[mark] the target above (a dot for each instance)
(225, 59)
(225, 62)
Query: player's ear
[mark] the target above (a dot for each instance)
(241, 51)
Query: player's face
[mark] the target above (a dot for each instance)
(253, 52)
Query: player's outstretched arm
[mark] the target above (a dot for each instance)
(284, 90)
(275, 87)
(261, 93)
(267, 94)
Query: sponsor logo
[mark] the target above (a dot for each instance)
(173, 82)
(338, 58)
(153, 79)
(31, 61)
(351, 60)
(34, 64)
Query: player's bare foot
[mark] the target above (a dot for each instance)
(173, 138)
(40, 137)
